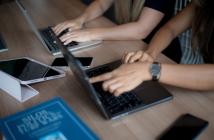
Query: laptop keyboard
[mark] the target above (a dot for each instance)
(122, 103)
(113, 104)
(48, 35)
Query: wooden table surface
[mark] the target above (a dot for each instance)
(144, 125)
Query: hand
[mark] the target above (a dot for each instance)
(137, 56)
(78, 36)
(70, 24)
(124, 78)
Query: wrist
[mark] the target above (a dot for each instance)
(146, 73)
(81, 20)
(96, 34)
(152, 54)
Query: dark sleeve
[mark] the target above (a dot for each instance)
(160, 5)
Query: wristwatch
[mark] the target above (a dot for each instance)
(155, 70)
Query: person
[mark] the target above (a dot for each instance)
(138, 65)
(136, 20)
(188, 55)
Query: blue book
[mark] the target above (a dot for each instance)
(52, 120)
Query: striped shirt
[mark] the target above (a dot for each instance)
(188, 55)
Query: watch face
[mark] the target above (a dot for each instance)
(155, 71)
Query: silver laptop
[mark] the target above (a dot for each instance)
(47, 40)
(146, 95)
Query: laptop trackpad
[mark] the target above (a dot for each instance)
(151, 92)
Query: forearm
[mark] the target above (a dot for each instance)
(137, 30)
(129, 31)
(196, 77)
(95, 9)
(160, 41)
(170, 30)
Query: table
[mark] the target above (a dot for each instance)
(146, 124)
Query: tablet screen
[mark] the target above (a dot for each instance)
(25, 69)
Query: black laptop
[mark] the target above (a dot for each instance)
(2, 44)
(147, 94)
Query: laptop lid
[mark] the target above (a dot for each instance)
(31, 23)
(80, 74)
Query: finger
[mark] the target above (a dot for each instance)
(100, 78)
(143, 58)
(111, 88)
(121, 90)
(71, 29)
(124, 56)
(146, 57)
(62, 28)
(58, 27)
(135, 57)
(67, 36)
(127, 57)
(70, 40)
(107, 83)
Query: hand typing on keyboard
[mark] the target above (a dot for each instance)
(80, 36)
(68, 31)
(71, 25)
(125, 78)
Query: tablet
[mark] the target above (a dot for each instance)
(29, 71)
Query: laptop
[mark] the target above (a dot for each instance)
(146, 95)
(2, 44)
(46, 37)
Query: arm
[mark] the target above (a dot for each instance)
(164, 36)
(94, 10)
(129, 76)
(140, 29)
(169, 31)
(196, 77)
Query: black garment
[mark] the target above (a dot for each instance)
(173, 51)
(164, 6)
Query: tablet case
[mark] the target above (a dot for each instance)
(14, 88)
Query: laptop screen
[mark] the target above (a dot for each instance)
(2, 44)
